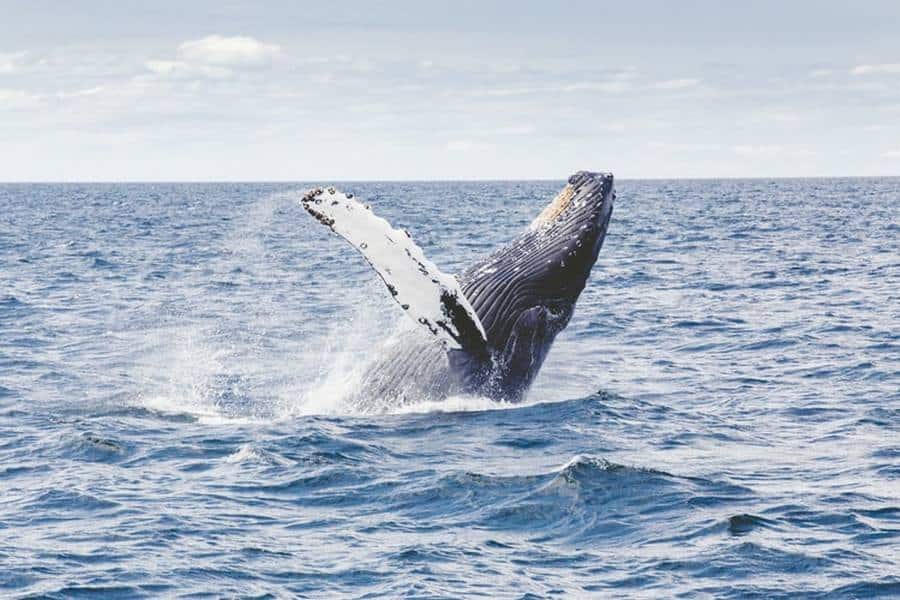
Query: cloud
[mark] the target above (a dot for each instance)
(891, 154)
(92, 91)
(10, 62)
(676, 84)
(468, 146)
(511, 91)
(611, 87)
(238, 52)
(178, 69)
(762, 151)
(677, 147)
(215, 57)
(884, 68)
(465, 136)
(770, 151)
(513, 130)
(784, 115)
(820, 73)
(18, 100)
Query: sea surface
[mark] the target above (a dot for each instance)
(720, 419)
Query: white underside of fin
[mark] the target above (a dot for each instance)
(429, 296)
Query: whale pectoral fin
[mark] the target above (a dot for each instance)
(430, 297)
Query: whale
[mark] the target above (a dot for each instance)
(487, 330)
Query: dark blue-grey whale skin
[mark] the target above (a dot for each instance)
(524, 294)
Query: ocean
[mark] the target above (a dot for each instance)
(720, 419)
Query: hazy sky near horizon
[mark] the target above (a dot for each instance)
(227, 90)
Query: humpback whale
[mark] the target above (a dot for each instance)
(487, 331)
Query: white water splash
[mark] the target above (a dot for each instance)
(452, 404)
(243, 367)
(182, 373)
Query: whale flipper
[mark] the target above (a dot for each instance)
(429, 296)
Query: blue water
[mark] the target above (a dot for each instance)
(720, 418)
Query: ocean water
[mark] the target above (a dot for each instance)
(721, 418)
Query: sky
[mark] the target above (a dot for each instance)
(310, 91)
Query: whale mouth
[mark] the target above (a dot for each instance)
(563, 242)
(586, 198)
(560, 203)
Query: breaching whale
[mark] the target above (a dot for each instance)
(488, 331)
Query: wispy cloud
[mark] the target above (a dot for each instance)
(179, 69)
(608, 87)
(616, 84)
(92, 91)
(611, 87)
(770, 151)
(467, 146)
(678, 147)
(782, 115)
(884, 68)
(18, 100)
(676, 84)
(503, 131)
(10, 62)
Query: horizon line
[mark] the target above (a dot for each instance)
(438, 180)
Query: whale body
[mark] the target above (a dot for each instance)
(487, 331)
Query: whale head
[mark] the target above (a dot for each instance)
(525, 293)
